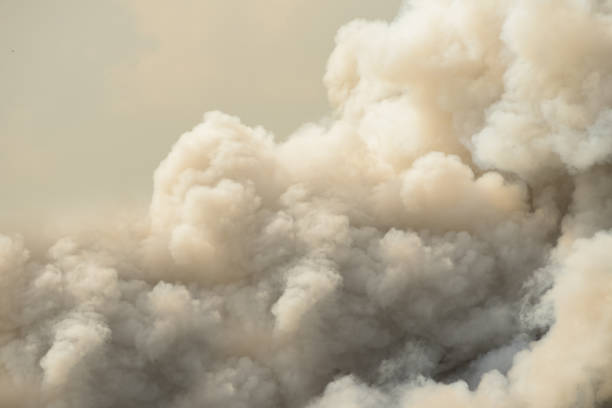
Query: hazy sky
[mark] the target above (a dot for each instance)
(94, 93)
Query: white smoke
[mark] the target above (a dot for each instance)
(442, 241)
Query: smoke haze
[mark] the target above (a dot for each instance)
(440, 240)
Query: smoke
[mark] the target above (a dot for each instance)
(443, 239)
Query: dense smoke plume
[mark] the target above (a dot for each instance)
(441, 241)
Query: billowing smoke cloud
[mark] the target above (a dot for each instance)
(441, 241)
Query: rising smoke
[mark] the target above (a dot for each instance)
(441, 241)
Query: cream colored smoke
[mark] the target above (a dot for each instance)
(441, 240)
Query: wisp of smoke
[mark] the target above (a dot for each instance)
(442, 240)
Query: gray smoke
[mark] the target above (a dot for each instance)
(442, 240)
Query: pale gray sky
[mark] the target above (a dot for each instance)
(94, 93)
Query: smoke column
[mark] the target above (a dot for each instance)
(441, 240)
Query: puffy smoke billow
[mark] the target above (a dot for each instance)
(442, 241)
